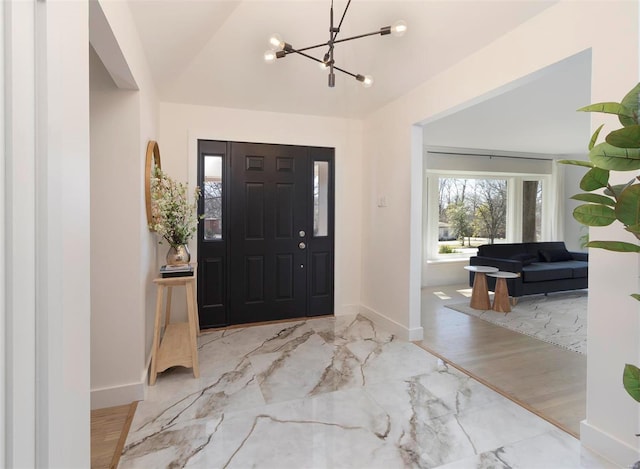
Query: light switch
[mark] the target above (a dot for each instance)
(382, 201)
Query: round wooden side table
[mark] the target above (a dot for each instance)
(501, 296)
(480, 292)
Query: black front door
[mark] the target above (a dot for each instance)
(267, 252)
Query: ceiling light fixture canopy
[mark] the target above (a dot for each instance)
(279, 49)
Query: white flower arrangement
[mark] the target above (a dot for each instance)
(173, 216)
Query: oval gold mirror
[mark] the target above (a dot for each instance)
(152, 160)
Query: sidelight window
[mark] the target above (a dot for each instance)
(212, 194)
(320, 198)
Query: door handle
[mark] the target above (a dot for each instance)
(301, 233)
(302, 245)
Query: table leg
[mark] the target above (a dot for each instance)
(501, 297)
(167, 315)
(156, 336)
(193, 327)
(480, 292)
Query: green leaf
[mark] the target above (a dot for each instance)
(594, 215)
(595, 178)
(617, 246)
(607, 156)
(594, 137)
(595, 198)
(626, 137)
(617, 189)
(633, 229)
(586, 164)
(618, 109)
(628, 206)
(635, 296)
(631, 381)
(630, 101)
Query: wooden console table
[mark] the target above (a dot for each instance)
(178, 345)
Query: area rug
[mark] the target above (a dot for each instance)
(559, 318)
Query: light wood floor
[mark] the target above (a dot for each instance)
(543, 378)
(109, 428)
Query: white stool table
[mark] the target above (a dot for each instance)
(480, 292)
(501, 296)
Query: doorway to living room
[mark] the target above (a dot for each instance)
(531, 124)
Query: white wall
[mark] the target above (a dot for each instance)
(123, 250)
(389, 254)
(46, 185)
(63, 238)
(19, 337)
(117, 303)
(573, 230)
(182, 125)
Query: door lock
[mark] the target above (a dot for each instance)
(301, 233)
(302, 245)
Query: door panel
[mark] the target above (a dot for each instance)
(212, 234)
(272, 256)
(321, 239)
(268, 269)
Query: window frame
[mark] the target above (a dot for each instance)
(513, 227)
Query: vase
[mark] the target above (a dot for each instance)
(178, 255)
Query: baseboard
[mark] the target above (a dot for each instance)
(346, 310)
(117, 395)
(607, 446)
(392, 326)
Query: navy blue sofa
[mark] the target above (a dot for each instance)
(543, 267)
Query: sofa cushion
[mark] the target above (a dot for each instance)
(555, 255)
(525, 258)
(543, 271)
(580, 269)
(502, 251)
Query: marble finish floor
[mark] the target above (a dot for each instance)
(334, 392)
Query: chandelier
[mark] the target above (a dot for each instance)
(280, 49)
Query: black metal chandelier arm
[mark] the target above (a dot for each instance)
(382, 32)
(304, 48)
(354, 75)
(335, 34)
(297, 51)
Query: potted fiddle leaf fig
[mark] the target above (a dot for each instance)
(606, 203)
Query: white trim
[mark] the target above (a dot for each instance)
(3, 309)
(415, 234)
(607, 445)
(397, 329)
(347, 310)
(20, 424)
(118, 395)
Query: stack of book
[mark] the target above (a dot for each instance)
(184, 270)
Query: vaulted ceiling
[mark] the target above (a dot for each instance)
(209, 52)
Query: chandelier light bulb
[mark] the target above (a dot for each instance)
(399, 28)
(276, 42)
(270, 56)
(368, 81)
(323, 65)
